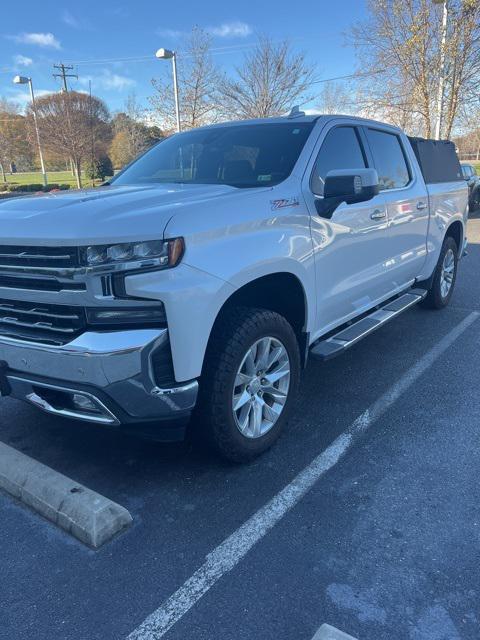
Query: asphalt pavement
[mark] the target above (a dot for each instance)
(385, 545)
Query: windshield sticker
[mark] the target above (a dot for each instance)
(284, 202)
(264, 178)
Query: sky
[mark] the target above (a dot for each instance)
(113, 44)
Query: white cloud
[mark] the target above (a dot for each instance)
(70, 20)
(117, 82)
(22, 98)
(108, 81)
(40, 39)
(224, 30)
(170, 33)
(22, 61)
(231, 30)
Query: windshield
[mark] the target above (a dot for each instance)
(257, 155)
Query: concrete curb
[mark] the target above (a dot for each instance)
(326, 632)
(83, 513)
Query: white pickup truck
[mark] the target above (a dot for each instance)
(200, 279)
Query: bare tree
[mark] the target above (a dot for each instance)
(335, 98)
(400, 45)
(198, 86)
(468, 140)
(270, 81)
(73, 123)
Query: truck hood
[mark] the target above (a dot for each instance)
(101, 215)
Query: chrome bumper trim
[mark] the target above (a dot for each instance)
(38, 401)
(117, 363)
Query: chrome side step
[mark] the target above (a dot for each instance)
(346, 337)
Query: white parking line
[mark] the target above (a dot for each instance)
(229, 553)
(327, 632)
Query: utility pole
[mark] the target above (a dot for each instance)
(441, 80)
(63, 74)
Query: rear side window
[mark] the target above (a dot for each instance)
(389, 159)
(341, 149)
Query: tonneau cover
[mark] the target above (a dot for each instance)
(438, 160)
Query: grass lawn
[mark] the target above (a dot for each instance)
(476, 165)
(54, 177)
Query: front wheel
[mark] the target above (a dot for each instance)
(249, 382)
(445, 276)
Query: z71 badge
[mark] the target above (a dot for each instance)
(284, 202)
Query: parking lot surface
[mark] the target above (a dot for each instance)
(384, 545)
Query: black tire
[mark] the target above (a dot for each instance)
(435, 298)
(475, 204)
(234, 334)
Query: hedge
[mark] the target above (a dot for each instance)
(12, 187)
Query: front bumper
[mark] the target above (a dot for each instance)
(113, 372)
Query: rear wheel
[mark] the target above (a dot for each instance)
(249, 382)
(445, 276)
(476, 199)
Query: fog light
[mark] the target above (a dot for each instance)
(83, 403)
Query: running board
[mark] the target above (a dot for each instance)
(347, 337)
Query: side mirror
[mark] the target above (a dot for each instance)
(346, 185)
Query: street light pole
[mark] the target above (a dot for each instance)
(175, 89)
(441, 80)
(165, 54)
(24, 80)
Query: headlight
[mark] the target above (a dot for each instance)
(161, 253)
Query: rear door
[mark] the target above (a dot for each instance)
(406, 199)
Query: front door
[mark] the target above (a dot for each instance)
(350, 248)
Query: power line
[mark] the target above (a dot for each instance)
(150, 57)
(351, 75)
(63, 74)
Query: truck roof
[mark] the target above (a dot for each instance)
(308, 116)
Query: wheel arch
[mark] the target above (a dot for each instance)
(282, 292)
(456, 231)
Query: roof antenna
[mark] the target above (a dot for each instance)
(295, 112)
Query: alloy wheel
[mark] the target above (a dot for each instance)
(261, 387)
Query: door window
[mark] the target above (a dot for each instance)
(341, 149)
(389, 159)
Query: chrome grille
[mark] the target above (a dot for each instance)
(48, 323)
(45, 257)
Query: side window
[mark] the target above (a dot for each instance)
(340, 150)
(389, 159)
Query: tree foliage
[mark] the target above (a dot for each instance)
(14, 144)
(131, 135)
(74, 124)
